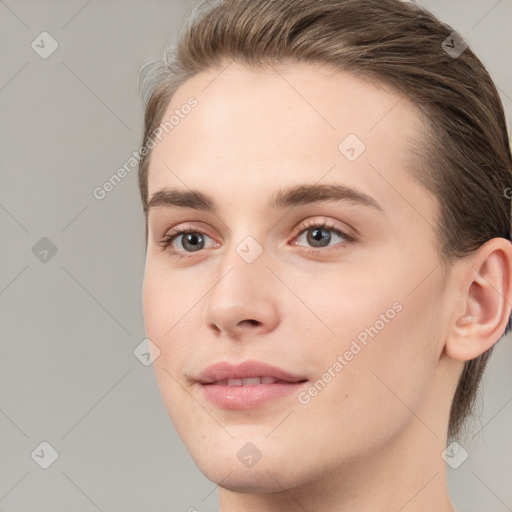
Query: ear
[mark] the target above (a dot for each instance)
(486, 301)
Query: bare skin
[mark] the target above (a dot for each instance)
(372, 437)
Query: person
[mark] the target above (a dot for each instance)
(328, 255)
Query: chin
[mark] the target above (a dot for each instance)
(259, 479)
(273, 472)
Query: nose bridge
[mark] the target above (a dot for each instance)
(245, 253)
(241, 295)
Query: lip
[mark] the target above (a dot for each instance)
(223, 370)
(246, 396)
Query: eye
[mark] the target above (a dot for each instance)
(190, 239)
(318, 235)
(315, 234)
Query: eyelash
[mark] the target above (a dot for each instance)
(176, 232)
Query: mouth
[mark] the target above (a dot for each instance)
(250, 381)
(246, 373)
(247, 385)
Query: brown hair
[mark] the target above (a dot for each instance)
(464, 159)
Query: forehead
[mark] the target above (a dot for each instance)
(274, 126)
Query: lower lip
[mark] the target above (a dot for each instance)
(246, 397)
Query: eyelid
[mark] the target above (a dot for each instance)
(327, 224)
(179, 230)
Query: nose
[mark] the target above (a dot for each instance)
(244, 300)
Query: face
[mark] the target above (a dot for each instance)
(339, 287)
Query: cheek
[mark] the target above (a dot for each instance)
(342, 303)
(167, 319)
(381, 386)
(386, 340)
(167, 308)
(168, 297)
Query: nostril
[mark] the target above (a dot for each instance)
(251, 321)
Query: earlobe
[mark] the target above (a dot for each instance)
(487, 302)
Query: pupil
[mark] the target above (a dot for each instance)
(194, 239)
(318, 235)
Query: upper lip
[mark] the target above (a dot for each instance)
(225, 371)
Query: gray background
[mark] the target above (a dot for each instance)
(68, 375)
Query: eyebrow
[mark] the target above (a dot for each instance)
(283, 198)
